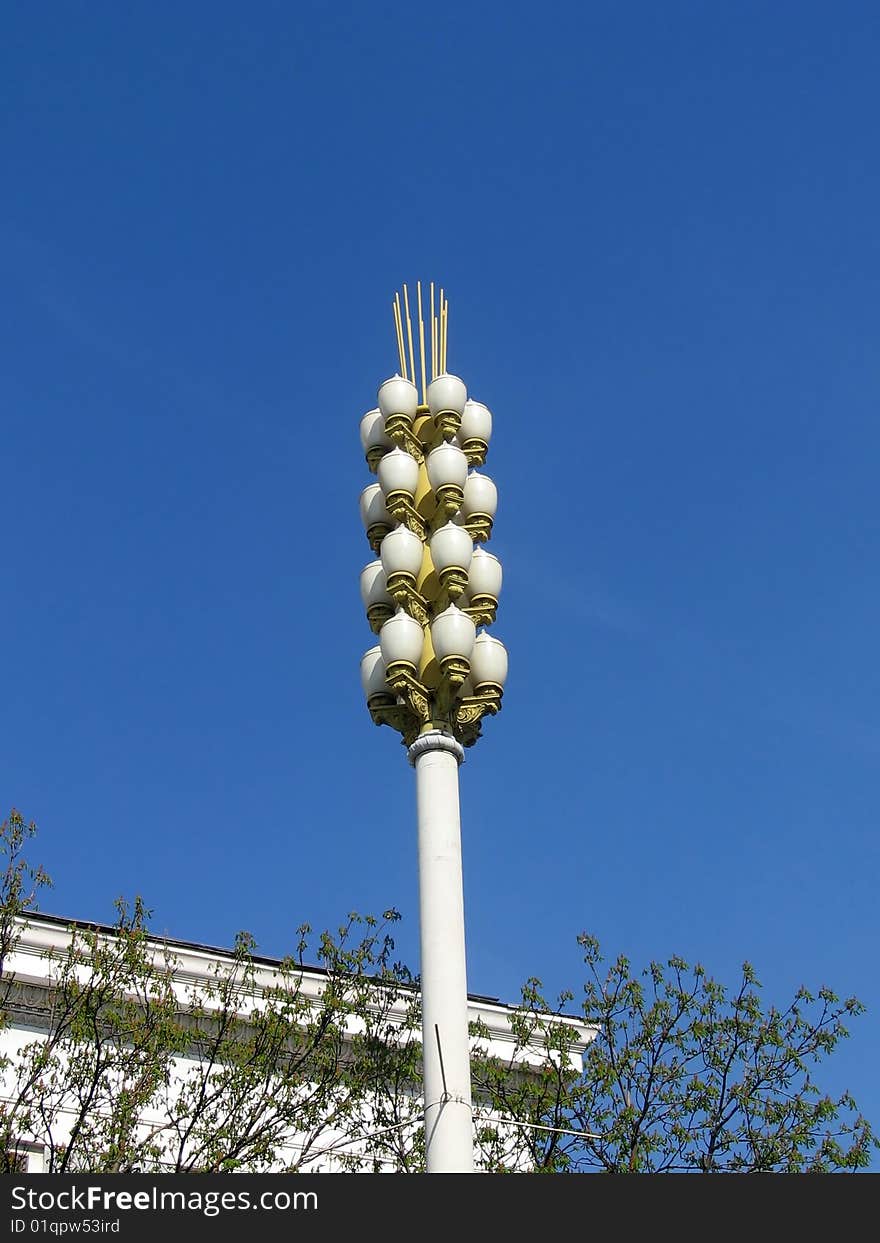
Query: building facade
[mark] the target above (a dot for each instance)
(120, 1050)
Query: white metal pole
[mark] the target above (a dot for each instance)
(445, 1046)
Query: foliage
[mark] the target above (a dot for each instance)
(136, 1066)
(682, 1076)
(21, 882)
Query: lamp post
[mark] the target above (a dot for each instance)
(435, 672)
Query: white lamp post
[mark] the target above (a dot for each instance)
(432, 677)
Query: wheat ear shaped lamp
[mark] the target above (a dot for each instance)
(430, 594)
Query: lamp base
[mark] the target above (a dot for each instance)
(375, 535)
(453, 580)
(482, 610)
(401, 507)
(378, 615)
(478, 527)
(402, 589)
(475, 450)
(455, 669)
(448, 422)
(398, 428)
(449, 499)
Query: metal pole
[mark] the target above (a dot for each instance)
(445, 1046)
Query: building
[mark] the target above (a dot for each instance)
(170, 1055)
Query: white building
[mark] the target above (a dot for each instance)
(74, 1059)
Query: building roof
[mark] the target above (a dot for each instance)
(201, 947)
(42, 936)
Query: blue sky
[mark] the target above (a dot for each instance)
(658, 228)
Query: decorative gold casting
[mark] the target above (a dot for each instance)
(409, 690)
(402, 435)
(453, 580)
(449, 499)
(481, 610)
(478, 527)
(378, 615)
(432, 697)
(375, 535)
(469, 713)
(387, 710)
(402, 589)
(448, 422)
(474, 449)
(400, 506)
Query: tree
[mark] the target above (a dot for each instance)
(19, 886)
(682, 1076)
(136, 1071)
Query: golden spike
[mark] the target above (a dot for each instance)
(398, 324)
(396, 327)
(396, 337)
(433, 337)
(440, 333)
(443, 337)
(422, 344)
(446, 336)
(412, 357)
(444, 329)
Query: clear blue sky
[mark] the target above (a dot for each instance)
(658, 225)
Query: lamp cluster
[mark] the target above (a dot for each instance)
(433, 587)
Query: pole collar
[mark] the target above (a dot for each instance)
(435, 740)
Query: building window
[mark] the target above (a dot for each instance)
(23, 1159)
